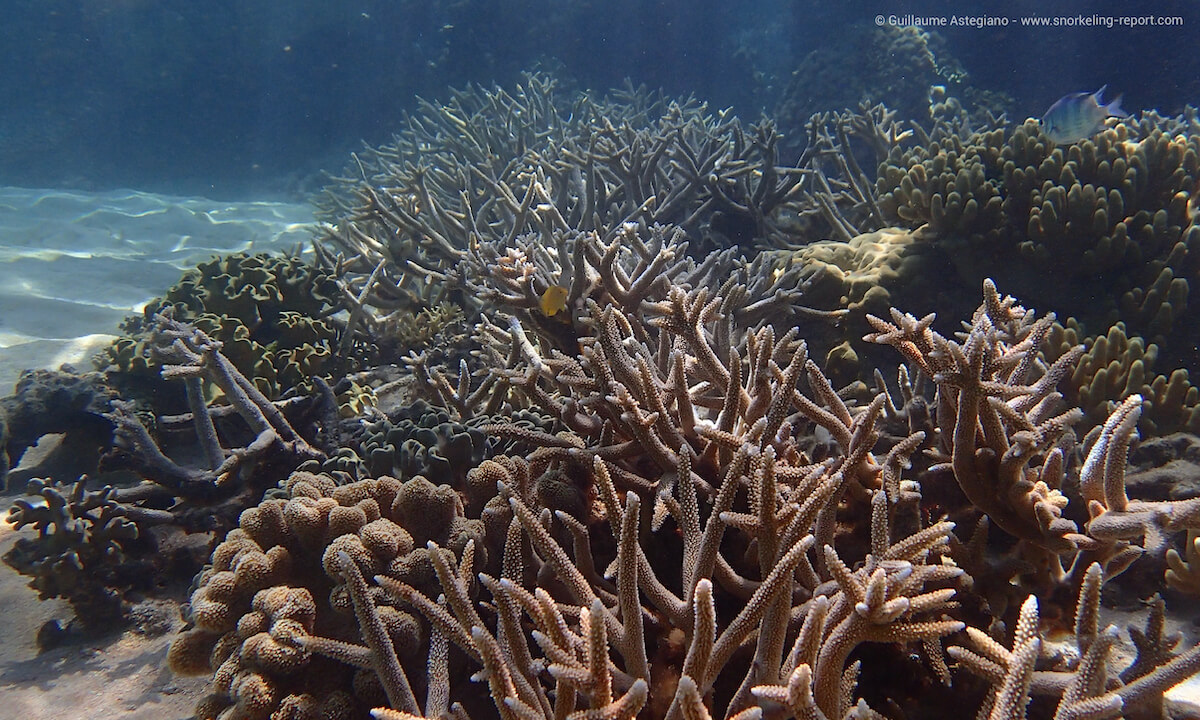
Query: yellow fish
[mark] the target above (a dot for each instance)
(554, 300)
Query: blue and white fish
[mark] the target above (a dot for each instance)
(1079, 116)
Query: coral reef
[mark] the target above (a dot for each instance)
(869, 65)
(47, 402)
(595, 413)
(276, 607)
(98, 540)
(1115, 211)
(992, 199)
(80, 552)
(1116, 366)
(678, 548)
(270, 314)
(553, 183)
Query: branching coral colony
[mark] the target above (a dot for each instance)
(678, 550)
(642, 494)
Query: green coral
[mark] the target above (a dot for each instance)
(269, 312)
(256, 289)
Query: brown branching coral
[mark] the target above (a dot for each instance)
(673, 550)
(624, 363)
(1084, 686)
(491, 166)
(514, 200)
(985, 383)
(999, 414)
(1115, 211)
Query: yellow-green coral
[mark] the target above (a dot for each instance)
(269, 313)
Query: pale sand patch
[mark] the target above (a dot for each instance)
(76, 352)
(121, 677)
(73, 265)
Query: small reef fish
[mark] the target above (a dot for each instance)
(554, 300)
(1079, 116)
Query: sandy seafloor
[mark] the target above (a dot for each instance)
(72, 266)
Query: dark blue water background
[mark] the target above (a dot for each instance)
(249, 97)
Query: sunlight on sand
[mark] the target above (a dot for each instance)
(74, 264)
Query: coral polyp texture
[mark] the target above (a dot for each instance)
(612, 413)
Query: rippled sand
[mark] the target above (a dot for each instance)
(73, 264)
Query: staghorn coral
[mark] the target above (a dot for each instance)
(986, 383)
(97, 540)
(591, 164)
(1082, 681)
(1115, 211)
(730, 456)
(695, 521)
(555, 198)
(674, 550)
(630, 272)
(836, 198)
(898, 64)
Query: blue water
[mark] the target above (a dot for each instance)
(237, 98)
